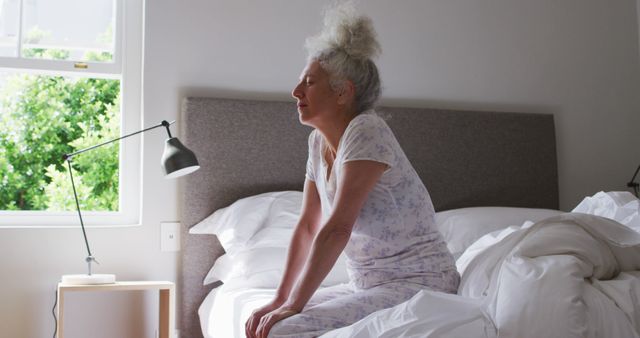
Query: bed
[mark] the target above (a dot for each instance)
(492, 176)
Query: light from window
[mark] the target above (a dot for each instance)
(48, 109)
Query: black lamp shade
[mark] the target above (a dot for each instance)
(178, 160)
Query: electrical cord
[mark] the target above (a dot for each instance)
(55, 318)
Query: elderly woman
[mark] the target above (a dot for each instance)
(361, 196)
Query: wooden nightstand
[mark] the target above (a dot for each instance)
(166, 292)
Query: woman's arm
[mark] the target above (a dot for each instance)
(301, 240)
(357, 180)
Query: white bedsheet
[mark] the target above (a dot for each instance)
(573, 275)
(224, 312)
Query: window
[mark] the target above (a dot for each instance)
(64, 86)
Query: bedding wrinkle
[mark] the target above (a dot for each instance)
(623, 292)
(547, 271)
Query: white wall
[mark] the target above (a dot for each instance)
(576, 59)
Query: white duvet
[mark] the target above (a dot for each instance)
(573, 275)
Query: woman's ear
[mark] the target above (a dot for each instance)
(347, 93)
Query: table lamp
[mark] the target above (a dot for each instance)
(177, 160)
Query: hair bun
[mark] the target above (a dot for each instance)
(344, 30)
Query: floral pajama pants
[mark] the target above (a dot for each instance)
(344, 304)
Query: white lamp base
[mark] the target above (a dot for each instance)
(93, 279)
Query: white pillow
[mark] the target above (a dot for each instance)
(461, 227)
(270, 237)
(255, 233)
(263, 268)
(236, 225)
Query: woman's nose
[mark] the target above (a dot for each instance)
(297, 92)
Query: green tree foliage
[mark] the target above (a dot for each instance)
(34, 36)
(106, 39)
(44, 117)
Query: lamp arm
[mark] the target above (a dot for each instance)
(164, 123)
(75, 195)
(67, 157)
(632, 183)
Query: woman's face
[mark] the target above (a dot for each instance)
(317, 101)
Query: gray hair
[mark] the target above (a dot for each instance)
(345, 48)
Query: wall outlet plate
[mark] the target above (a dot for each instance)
(169, 236)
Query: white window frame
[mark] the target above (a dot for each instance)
(127, 66)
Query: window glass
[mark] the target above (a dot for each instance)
(9, 23)
(76, 30)
(45, 117)
(50, 108)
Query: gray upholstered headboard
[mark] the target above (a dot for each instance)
(465, 158)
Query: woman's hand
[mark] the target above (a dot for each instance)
(252, 323)
(267, 321)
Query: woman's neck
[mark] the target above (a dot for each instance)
(332, 132)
